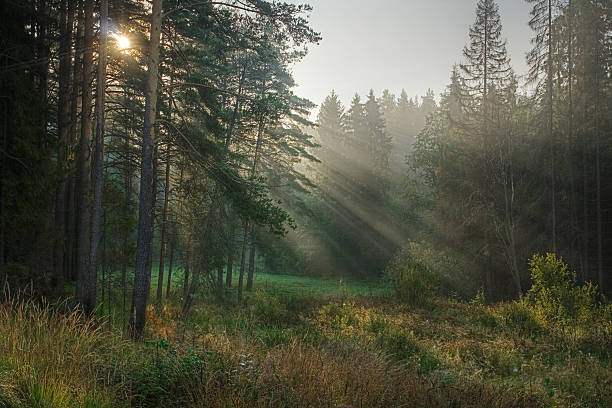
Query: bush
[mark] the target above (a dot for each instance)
(520, 317)
(555, 295)
(410, 279)
(268, 308)
(338, 316)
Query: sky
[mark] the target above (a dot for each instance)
(396, 44)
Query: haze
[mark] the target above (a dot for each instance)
(396, 44)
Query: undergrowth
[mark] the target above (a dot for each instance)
(280, 349)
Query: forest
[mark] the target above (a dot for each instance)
(180, 228)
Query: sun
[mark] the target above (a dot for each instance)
(122, 41)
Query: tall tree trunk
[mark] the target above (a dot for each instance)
(170, 265)
(228, 139)
(71, 227)
(83, 220)
(549, 107)
(3, 273)
(63, 130)
(230, 252)
(220, 279)
(164, 231)
(127, 187)
(249, 285)
(245, 238)
(600, 274)
(98, 162)
(187, 263)
(570, 131)
(243, 258)
(142, 277)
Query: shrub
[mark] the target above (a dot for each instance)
(555, 295)
(337, 316)
(410, 279)
(520, 317)
(268, 308)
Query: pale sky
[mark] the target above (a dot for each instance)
(395, 44)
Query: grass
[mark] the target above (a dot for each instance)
(304, 342)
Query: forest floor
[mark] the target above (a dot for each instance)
(303, 342)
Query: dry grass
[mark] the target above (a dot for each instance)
(344, 353)
(48, 358)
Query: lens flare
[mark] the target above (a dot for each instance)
(122, 41)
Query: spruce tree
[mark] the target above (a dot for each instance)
(487, 65)
(378, 148)
(541, 72)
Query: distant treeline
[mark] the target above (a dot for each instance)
(500, 170)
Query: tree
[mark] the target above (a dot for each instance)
(98, 162)
(486, 66)
(142, 278)
(378, 147)
(84, 165)
(540, 60)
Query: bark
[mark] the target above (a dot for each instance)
(3, 273)
(220, 279)
(83, 219)
(570, 132)
(71, 221)
(549, 93)
(197, 270)
(63, 130)
(170, 265)
(249, 285)
(260, 132)
(243, 258)
(98, 162)
(600, 274)
(164, 231)
(127, 186)
(187, 262)
(230, 253)
(228, 140)
(142, 277)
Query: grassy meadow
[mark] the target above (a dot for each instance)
(303, 342)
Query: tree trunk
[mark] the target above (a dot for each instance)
(600, 274)
(246, 221)
(230, 253)
(162, 250)
(98, 167)
(220, 279)
(187, 262)
(170, 265)
(142, 277)
(83, 220)
(63, 130)
(71, 223)
(243, 258)
(549, 107)
(249, 285)
(3, 273)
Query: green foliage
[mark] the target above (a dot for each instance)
(337, 316)
(452, 275)
(555, 295)
(268, 308)
(401, 344)
(519, 316)
(411, 280)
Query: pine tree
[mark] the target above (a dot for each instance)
(487, 65)
(330, 121)
(541, 72)
(378, 148)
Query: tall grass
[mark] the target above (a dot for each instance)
(52, 359)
